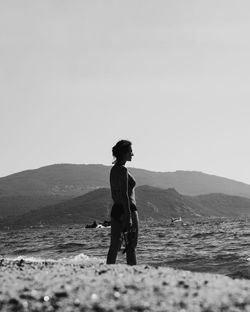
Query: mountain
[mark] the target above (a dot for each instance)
(74, 180)
(23, 191)
(60, 179)
(17, 205)
(33, 189)
(94, 205)
(152, 202)
(222, 205)
(191, 182)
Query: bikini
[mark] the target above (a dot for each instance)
(118, 209)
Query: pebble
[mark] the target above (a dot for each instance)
(61, 294)
(77, 302)
(46, 298)
(117, 294)
(13, 301)
(94, 297)
(34, 293)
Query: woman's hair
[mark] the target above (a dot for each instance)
(121, 148)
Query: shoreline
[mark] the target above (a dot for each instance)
(55, 286)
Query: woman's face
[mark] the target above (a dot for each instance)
(128, 156)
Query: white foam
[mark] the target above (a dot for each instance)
(82, 259)
(28, 259)
(78, 259)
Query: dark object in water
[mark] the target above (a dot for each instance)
(95, 225)
(174, 220)
(91, 226)
(20, 263)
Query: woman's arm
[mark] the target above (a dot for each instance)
(125, 198)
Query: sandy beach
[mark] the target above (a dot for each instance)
(55, 286)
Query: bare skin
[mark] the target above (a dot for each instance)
(121, 194)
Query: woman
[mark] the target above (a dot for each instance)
(124, 216)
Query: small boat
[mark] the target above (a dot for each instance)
(100, 226)
(176, 221)
(95, 225)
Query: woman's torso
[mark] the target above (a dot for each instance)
(115, 184)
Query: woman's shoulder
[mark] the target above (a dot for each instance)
(116, 169)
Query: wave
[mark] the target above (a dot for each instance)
(66, 245)
(230, 257)
(80, 259)
(198, 235)
(245, 234)
(70, 246)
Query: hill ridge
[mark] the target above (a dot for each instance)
(72, 180)
(152, 202)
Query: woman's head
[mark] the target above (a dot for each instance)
(122, 151)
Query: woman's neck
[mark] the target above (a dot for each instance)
(121, 162)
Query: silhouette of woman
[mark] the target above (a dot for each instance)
(124, 215)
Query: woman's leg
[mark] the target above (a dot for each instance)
(131, 254)
(115, 241)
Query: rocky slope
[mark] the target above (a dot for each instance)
(152, 202)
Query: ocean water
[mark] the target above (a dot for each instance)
(218, 245)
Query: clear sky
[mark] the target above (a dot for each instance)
(172, 76)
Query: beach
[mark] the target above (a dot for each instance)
(60, 286)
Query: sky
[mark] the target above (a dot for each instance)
(172, 76)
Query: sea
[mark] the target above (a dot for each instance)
(214, 245)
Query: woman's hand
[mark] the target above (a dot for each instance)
(126, 223)
(133, 238)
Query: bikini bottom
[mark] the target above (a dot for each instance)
(118, 210)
